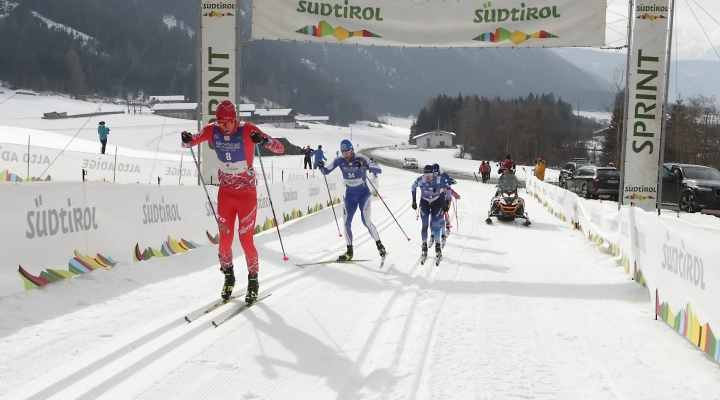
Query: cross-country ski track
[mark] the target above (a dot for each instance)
(512, 312)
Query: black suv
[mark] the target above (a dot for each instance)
(691, 187)
(569, 168)
(590, 182)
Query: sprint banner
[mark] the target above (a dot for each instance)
(433, 23)
(644, 120)
(218, 43)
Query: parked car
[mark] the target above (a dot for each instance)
(410, 163)
(591, 181)
(570, 167)
(691, 187)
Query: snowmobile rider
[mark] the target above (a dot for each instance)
(357, 194)
(507, 181)
(434, 196)
(234, 143)
(509, 164)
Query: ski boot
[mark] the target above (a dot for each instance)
(382, 251)
(432, 240)
(424, 255)
(348, 254)
(438, 254)
(229, 284)
(444, 239)
(252, 290)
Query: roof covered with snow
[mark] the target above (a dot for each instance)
(435, 131)
(274, 112)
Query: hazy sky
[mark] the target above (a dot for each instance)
(689, 41)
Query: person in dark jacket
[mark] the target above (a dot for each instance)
(307, 162)
(103, 131)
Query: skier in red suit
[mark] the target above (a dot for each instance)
(234, 143)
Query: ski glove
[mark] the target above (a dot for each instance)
(186, 136)
(414, 205)
(257, 138)
(359, 164)
(321, 164)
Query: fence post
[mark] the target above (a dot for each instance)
(115, 165)
(84, 174)
(159, 179)
(180, 174)
(282, 176)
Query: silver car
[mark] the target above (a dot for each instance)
(410, 163)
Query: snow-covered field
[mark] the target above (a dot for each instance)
(511, 312)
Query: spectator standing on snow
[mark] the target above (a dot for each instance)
(103, 131)
(307, 162)
(484, 171)
(540, 169)
(318, 156)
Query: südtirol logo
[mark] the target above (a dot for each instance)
(344, 11)
(218, 10)
(683, 263)
(488, 14)
(53, 221)
(160, 212)
(634, 192)
(643, 12)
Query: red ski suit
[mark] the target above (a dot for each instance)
(237, 196)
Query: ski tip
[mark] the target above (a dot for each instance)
(187, 319)
(214, 324)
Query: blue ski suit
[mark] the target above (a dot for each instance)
(318, 155)
(357, 193)
(433, 196)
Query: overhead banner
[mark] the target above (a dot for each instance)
(218, 34)
(433, 23)
(644, 120)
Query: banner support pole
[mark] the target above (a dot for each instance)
(626, 112)
(663, 130)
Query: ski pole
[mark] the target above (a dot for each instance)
(203, 184)
(272, 207)
(455, 212)
(417, 213)
(386, 206)
(332, 204)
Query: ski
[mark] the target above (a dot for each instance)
(423, 258)
(382, 260)
(240, 310)
(330, 262)
(437, 261)
(209, 310)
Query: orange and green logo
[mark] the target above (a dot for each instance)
(340, 33)
(650, 17)
(517, 37)
(218, 14)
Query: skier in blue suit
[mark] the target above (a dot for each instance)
(444, 176)
(357, 194)
(434, 195)
(318, 156)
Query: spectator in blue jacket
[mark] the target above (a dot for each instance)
(103, 131)
(318, 156)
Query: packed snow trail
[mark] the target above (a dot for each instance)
(511, 312)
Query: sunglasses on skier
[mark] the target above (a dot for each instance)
(347, 153)
(428, 175)
(225, 123)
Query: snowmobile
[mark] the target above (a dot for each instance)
(507, 205)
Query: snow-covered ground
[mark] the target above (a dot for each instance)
(511, 312)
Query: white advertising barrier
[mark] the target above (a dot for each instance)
(19, 163)
(432, 23)
(675, 259)
(52, 230)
